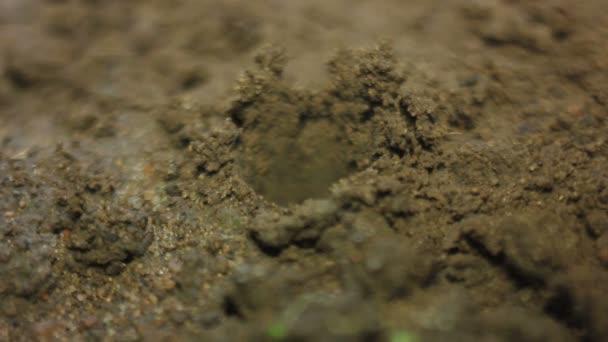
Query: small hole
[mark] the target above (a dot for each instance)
(290, 161)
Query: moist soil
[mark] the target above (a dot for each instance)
(273, 170)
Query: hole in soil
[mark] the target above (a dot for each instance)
(294, 144)
(562, 307)
(231, 309)
(291, 159)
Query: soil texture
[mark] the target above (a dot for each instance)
(345, 170)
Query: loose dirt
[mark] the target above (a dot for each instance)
(319, 171)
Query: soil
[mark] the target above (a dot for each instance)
(340, 170)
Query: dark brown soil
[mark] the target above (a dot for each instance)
(303, 171)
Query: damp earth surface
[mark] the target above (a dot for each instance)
(318, 171)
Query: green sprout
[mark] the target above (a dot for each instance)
(277, 331)
(403, 336)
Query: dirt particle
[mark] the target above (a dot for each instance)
(597, 223)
